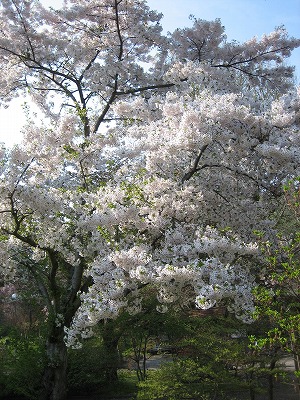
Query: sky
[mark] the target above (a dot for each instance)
(242, 19)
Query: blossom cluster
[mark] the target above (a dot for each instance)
(157, 159)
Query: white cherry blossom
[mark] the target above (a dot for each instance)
(157, 159)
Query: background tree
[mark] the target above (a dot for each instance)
(205, 365)
(148, 333)
(149, 151)
(278, 295)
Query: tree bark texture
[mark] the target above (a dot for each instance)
(54, 382)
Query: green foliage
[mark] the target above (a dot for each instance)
(288, 218)
(205, 365)
(186, 379)
(134, 335)
(81, 112)
(125, 387)
(3, 238)
(86, 367)
(71, 151)
(278, 295)
(21, 365)
(132, 192)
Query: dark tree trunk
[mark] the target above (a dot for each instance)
(54, 381)
(295, 349)
(251, 384)
(271, 379)
(64, 303)
(112, 359)
(110, 341)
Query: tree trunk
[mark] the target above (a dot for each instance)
(54, 381)
(271, 379)
(251, 384)
(295, 350)
(297, 369)
(112, 357)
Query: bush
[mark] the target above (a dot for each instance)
(186, 379)
(87, 371)
(21, 366)
(86, 367)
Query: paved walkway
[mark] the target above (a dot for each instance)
(288, 362)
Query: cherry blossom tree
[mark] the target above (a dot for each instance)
(157, 158)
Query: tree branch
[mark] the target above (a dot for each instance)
(145, 88)
(195, 168)
(231, 64)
